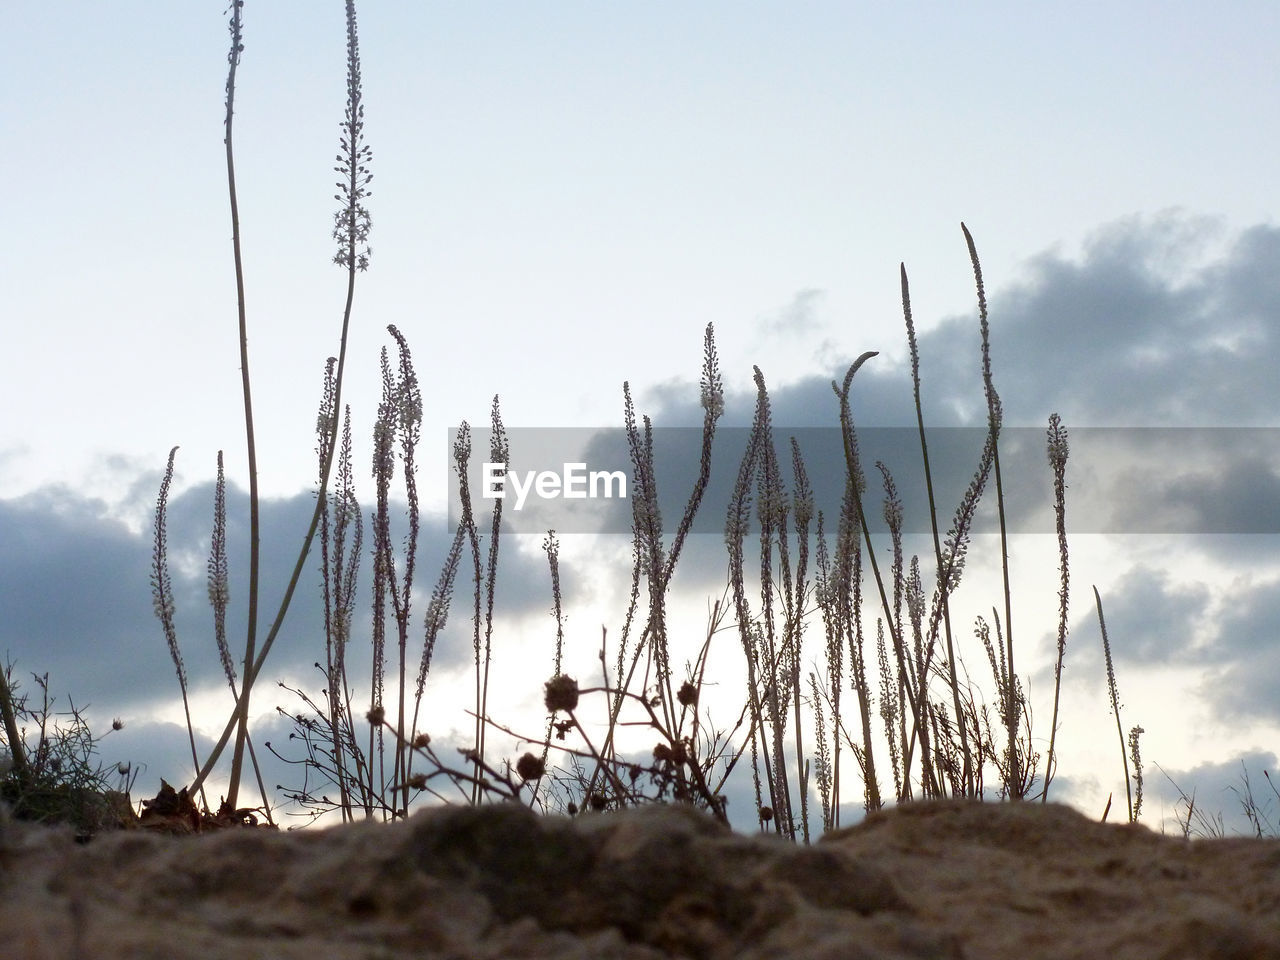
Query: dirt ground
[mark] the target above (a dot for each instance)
(938, 880)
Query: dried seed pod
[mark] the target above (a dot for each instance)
(561, 693)
(687, 695)
(530, 767)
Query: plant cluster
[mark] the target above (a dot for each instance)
(940, 738)
(51, 773)
(884, 682)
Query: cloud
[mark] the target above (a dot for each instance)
(74, 585)
(1245, 682)
(1143, 330)
(1113, 339)
(1151, 621)
(797, 319)
(1137, 331)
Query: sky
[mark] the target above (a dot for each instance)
(563, 198)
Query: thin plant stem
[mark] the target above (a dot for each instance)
(1058, 450)
(162, 595)
(933, 525)
(17, 754)
(352, 228)
(854, 471)
(251, 627)
(994, 420)
(1115, 700)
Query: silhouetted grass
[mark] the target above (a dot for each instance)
(803, 585)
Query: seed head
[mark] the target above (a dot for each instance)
(687, 695)
(530, 767)
(561, 693)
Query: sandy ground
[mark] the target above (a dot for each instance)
(944, 880)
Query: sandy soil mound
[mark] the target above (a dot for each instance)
(944, 880)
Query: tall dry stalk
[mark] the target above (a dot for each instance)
(1058, 450)
(376, 776)
(653, 559)
(352, 224)
(499, 452)
(994, 420)
(399, 422)
(855, 485)
(341, 536)
(1114, 694)
(944, 596)
(251, 626)
(162, 600)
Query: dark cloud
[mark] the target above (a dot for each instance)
(1114, 339)
(75, 596)
(1136, 332)
(1142, 331)
(1151, 621)
(1239, 496)
(1229, 635)
(1243, 678)
(76, 601)
(75, 591)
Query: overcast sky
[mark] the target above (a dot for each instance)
(564, 196)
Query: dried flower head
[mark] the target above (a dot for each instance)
(352, 223)
(687, 695)
(376, 715)
(530, 767)
(712, 387)
(561, 693)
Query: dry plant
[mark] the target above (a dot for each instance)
(905, 708)
(370, 777)
(352, 224)
(941, 737)
(936, 746)
(919, 727)
(52, 773)
(1132, 786)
